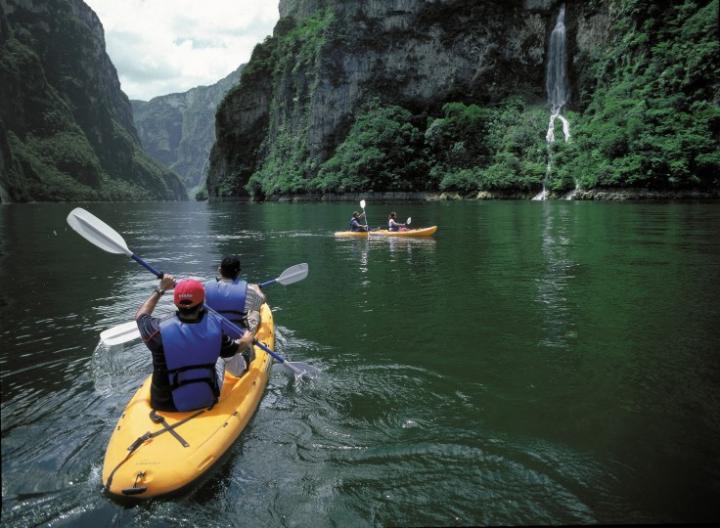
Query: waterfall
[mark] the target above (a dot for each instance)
(556, 76)
(556, 85)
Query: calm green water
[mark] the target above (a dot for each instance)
(532, 363)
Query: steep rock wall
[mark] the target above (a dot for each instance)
(67, 126)
(178, 130)
(326, 57)
(449, 95)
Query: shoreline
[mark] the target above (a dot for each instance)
(616, 195)
(599, 195)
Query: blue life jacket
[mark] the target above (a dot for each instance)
(393, 226)
(191, 351)
(227, 298)
(355, 225)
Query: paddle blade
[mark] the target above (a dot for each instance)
(302, 369)
(120, 334)
(97, 232)
(362, 204)
(408, 220)
(293, 274)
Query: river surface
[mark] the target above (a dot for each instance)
(531, 364)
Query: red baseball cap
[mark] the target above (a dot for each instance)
(189, 293)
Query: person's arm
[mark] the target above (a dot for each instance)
(166, 283)
(230, 346)
(149, 327)
(246, 340)
(254, 299)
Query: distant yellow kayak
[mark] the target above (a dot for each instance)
(422, 232)
(153, 453)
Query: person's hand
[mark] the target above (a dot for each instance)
(167, 282)
(246, 340)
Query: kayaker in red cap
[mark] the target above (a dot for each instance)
(240, 302)
(185, 348)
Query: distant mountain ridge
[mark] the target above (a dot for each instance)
(66, 127)
(178, 130)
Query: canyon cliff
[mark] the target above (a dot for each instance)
(178, 130)
(414, 95)
(66, 127)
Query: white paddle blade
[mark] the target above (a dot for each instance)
(117, 335)
(409, 220)
(293, 274)
(362, 204)
(97, 232)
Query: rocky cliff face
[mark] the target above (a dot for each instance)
(66, 127)
(178, 130)
(326, 57)
(403, 95)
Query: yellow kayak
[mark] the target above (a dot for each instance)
(153, 453)
(422, 232)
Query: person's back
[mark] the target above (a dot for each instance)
(191, 350)
(185, 349)
(237, 300)
(228, 297)
(393, 224)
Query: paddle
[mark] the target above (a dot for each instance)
(126, 332)
(291, 275)
(122, 333)
(362, 206)
(407, 222)
(106, 238)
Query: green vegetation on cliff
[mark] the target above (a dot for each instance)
(340, 101)
(382, 151)
(66, 129)
(653, 120)
(468, 149)
(286, 166)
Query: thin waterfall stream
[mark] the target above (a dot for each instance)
(556, 84)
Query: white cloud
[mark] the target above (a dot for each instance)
(167, 46)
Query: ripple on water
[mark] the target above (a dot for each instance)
(55, 475)
(345, 438)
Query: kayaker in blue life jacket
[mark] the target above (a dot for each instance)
(185, 348)
(355, 224)
(237, 300)
(394, 225)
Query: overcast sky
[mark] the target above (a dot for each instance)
(167, 46)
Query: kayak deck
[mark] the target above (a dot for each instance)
(144, 459)
(411, 233)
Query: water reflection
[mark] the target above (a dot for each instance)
(380, 251)
(406, 247)
(555, 279)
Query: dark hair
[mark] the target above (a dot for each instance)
(393, 215)
(355, 214)
(191, 311)
(230, 267)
